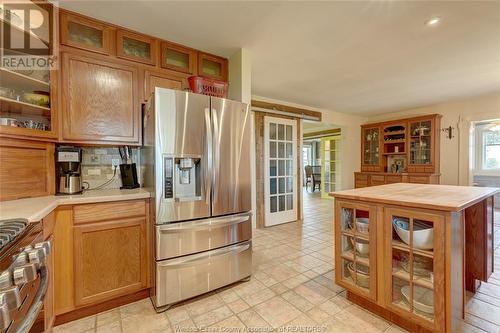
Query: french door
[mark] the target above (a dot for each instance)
(280, 164)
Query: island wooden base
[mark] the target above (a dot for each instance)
(386, 314)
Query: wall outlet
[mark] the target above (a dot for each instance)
(115, 162)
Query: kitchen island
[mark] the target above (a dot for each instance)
(408, 252)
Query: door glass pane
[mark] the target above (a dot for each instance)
(289, 202)
(136, 48)
(281, 203)
(272, 185)
(281, 149)
(281, 167)
(420, 142)
(177, 59)
(289, 184)
(272, 168)
(84, 34)
(289, 132)
(272, 149)
(289, 169)
(281, 132)
(347, 219)
(281, 185)
(274, 205)
(272, 131)
(289, 150)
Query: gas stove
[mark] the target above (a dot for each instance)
(23, 274)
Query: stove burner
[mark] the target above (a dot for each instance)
(9, 230)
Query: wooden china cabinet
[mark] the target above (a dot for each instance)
(400, 151)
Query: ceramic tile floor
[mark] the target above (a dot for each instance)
(292, 285)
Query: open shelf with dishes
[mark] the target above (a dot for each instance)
(414, 264)
(357, 248)
(26, 94)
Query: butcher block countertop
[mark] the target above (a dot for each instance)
(35, 209)
(438, 197)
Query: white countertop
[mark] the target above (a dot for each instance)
(35, 209)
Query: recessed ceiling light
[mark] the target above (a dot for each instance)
(432, 21)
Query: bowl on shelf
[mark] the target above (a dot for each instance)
(37, 99)
(361, 275)
(423, 298)
(423, 234)
(362, 225)
(362, 246)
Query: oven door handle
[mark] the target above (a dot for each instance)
(35, 309)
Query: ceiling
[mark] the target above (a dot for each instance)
(361, 57)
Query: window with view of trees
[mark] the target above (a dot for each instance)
(491, 149)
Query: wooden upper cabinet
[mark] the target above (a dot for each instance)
(212, 67)
(99, 101)
(178, 58)
(158, 79)
(424, 145)
(85, 33)
(371, 159)
(136, 47)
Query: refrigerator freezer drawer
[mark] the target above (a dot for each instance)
(182, 278)
(179, 239)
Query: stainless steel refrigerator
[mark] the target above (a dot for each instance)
(196, 163)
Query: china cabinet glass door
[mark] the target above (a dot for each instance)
(356, 234)
(421, 142)
(415, 265)
(371, 146)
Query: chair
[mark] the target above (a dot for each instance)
(313, 176)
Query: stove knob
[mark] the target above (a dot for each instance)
(4, 314)
(6, 279)
(27, 248)
(37, 256)
(24, 274)
(12, 297)
(44, 245)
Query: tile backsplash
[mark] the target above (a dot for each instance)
(97, 166)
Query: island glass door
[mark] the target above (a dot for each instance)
(415, 265)
(355, 262)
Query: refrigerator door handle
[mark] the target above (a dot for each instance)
(208, 172)
(203, 225)
(188, 261)
(216, 156)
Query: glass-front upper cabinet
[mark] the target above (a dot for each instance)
(330, 165)
(26, 94)
(136, 47)
(178, 58)
(421, 133)
(370, 145)
(212, 66)
(415, 266)
(355, 232)
(85, 33)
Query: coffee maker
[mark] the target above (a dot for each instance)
(68, 161)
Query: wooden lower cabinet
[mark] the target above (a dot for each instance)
(365, 179)
(387, 275)
(48, 303)
(101, 254)
(109, 259)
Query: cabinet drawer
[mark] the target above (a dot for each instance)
(377, 180)
(360, 177)
(419, 179)
(108, 211)
(360, 184)
(393, 179)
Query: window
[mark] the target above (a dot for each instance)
(487, 147)
(491, 149)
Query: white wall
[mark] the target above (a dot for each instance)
(350, 130)
(458, 114)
